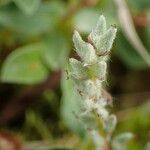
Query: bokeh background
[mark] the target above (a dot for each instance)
(36, 102)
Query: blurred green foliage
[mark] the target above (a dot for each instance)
(35, 40)
(25, 65)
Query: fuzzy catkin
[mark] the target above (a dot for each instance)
(88, 74)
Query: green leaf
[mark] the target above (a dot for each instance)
(104, 42)
(85, 50)
(57, 52)
(89, 120)
(28, 6)
(41, 22)
(100, 70)
(100, 27)
(71, 103)
(25, 65)
(77, 69)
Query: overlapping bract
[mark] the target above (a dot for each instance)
(84, 50)
(101, 37)
(88, 73)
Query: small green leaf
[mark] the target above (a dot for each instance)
(99, 29)
(100, 70)
(111, 123)
(89, 120)
(77, 69)
(28, 6)
(98, 140)
(25, 65)
(104, 42)
(120, 141)
(84, 50)
(89, 88)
